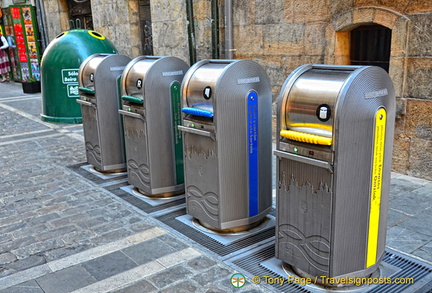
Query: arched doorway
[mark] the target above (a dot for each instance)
(370, 45)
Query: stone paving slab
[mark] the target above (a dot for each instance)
(66, 280)
(10, 120)
(31, 105)
(410, 209)
(14, 90)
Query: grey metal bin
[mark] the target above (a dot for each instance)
(151, 109)
(334, 148)
(98, 79)
(227, 143)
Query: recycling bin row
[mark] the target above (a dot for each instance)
(205, 131)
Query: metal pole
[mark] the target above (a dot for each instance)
(40, 12)
(191, 31)
(215, 28)
(228, 30)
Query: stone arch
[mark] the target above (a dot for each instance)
(338, 34)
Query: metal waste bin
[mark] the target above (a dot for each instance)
(227, 143)
(334, 149)
(99, 98)
(151, 110)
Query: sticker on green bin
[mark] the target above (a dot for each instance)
(70, 76)
(70, 79)
(178, 139)
(73, 91)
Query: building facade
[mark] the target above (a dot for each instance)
(282, 35)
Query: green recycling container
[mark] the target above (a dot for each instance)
(59, 72)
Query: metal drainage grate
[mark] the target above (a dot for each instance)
(85, 170)
(257, 262)
(210, 243)
(149, 208)
(130, 189)
(228, 238)
(117, 184)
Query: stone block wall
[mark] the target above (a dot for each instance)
(118, 20)
(169, 27)
(57, 17)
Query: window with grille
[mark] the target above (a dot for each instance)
(370, 45)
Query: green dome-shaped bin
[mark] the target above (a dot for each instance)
(59, 72)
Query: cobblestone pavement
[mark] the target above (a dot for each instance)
(61, 232)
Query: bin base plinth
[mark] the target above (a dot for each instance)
(160, 195)
(335, 285)
(66, 120)
(109, 171)
(234, 230)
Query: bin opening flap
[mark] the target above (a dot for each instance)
(197, 112)
(306, 137)
(133, 99)
(86, 90)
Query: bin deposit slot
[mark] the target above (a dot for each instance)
(306, 137)
(305, 160)
(131, 114)
(197, 112)
(196, 131)
(86, 90)
(85, 103)
(133, 99)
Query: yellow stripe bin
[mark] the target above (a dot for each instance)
(335, 127)
(376, 186)
(306, 137)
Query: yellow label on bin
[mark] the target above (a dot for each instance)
(376, 186)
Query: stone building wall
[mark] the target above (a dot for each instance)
(118, 20)
(410, 70)
(57, 17)
(169, 28)
(170, 34)
(282, 35)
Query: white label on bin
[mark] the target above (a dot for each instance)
(69, 76)
(172, 73)
(72, 91)
(248, 80)
(376, 94)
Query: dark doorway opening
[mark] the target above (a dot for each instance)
(81, 9)
(145, 27)
(370, 45)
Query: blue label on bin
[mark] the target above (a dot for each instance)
(252, 116)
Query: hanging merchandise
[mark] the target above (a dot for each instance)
(22, 29)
